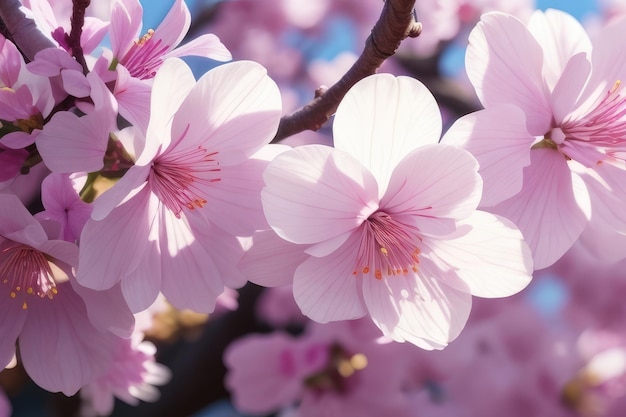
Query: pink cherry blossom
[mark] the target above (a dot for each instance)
(391, 219)
(195, 186)
(143, 57)
(60, 348)
(570, 163)
(131, 376)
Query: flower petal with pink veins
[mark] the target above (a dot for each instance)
(551, 210)
(561, 36)
(234, 202)
(174, 25)
(191, 278)
(504, 63)
(233, 109)
(497, 137)
(326, 289)
(120, 237)
(75, 351)
(417, 308)
(435, 181)
(314, 193)
(271, 261)
(490, 257)
(406, 117)
(605, 236)
(170, 87)
(142, 285)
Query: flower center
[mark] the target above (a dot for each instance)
(179, 179)
(387, 247)
(26, 271)
(144, 56)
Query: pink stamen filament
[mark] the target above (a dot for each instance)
(605, 125)
(26, 271)
(144, 56)
(179, 179)
(387, 247)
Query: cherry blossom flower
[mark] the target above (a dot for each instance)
(143, 57)
(566, 166)
(170, 223)
(391, 219)
(60, 348)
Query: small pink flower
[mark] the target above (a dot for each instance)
(391, 219)
(143, 57)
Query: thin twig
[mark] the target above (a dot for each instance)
(396, 23)
(73, 40)
(23, 31)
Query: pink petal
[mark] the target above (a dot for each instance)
(271, 261)
(314, 193)
(12, 319)
(234, 110)
(416, 308)
(59, 347)
(504, 63)
(490, 258)
(133, 99)
(325, 288)
(191, 278)
(11, 63)
(125, 25)
(498, 139)
(107, 309)
(434, 181)
(551, 210)
(112, 248)
(569, 86)
(234, 202)
(123, 190)
(383, 118)
(174, 26)
(561, 37)
(171, 86)
(69, 143)
(93, 31)
(207, 45)
(142, 286)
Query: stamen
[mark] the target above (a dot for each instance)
(25, 267)
(179, 179)
(144, 56)
(388, 247)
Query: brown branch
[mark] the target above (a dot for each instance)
(23, 32)
(396, 23)
(73, 39)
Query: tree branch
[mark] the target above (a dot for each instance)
(23, 31)
(73, 40)
(396, 23)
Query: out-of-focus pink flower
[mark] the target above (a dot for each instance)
(572, 146)
(333, 370)
(391, 219)
(143, 57)
(60, 348)
(195, 186)
(11, 162)
(131, 376)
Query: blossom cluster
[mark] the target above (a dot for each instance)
(155, 185)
